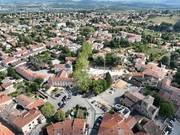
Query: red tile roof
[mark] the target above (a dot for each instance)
(153, 70)
(115, 124)
(5, 131)
(68, 127)
(29, 103)
(4, 98)
(29, 74)
(25, 118)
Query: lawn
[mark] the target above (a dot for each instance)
(160, 19)
(152, 33)
(155, 53)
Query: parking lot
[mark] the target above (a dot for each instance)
(112, 97)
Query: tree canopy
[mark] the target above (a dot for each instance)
(166, 109)
(59, 116)
(80, 74)
(48, 110)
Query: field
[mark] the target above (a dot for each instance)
(160, 19)
(152, 33)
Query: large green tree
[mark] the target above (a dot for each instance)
(60, 116)
(165, 60)
(108, 79)
(166, 109)
(177, 77)
(80, 74)
(86, 31)
(99, 86)
(48, 110)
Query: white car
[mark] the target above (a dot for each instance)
(117, 106)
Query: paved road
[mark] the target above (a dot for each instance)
(176, 128)
(76, 100)
(93, 110)
(79, 100)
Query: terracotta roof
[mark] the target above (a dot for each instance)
(115, 124)
(6, 85)
(29, 74)
(4, 98)
(63, 74)
(5, 131)
(9, 60)
(24, 100)
(25, 118)
(36, 103)
(152, 129)
(134, 96)
(68, 127)
(153, 70)
(29, 103)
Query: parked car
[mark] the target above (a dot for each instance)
(57, 95)
(117, 106)
(97, 122)
(61, 104)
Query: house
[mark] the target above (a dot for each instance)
(172, 92)
(7, 84)
(68, 67)
(68, 127)
(29, 74)
(142, 104)
(150, 75)
(130, 37)
(26, 121)
(38, 47)
(116, 124)
(28, 103)
(8, 61)
(5, 131)
(97, 46)
(61, 80)
(149, 127)
(153, 71)
(4, 100)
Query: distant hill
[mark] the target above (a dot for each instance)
(100, 4)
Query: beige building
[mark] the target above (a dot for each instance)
(26, 121)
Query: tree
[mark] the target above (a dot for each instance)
(108, 79)
(2, 76)
(82, 81)
(86, 31)
(86, 50)
(48, 110)
(39, 81)
(177, 77)
(167, 109)
(112, 60)
(80, 74)
(59, 116)
(12, 72)
(33, 87)
(165, 60)
(177, 26)
(117, 43)
(99, 86)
